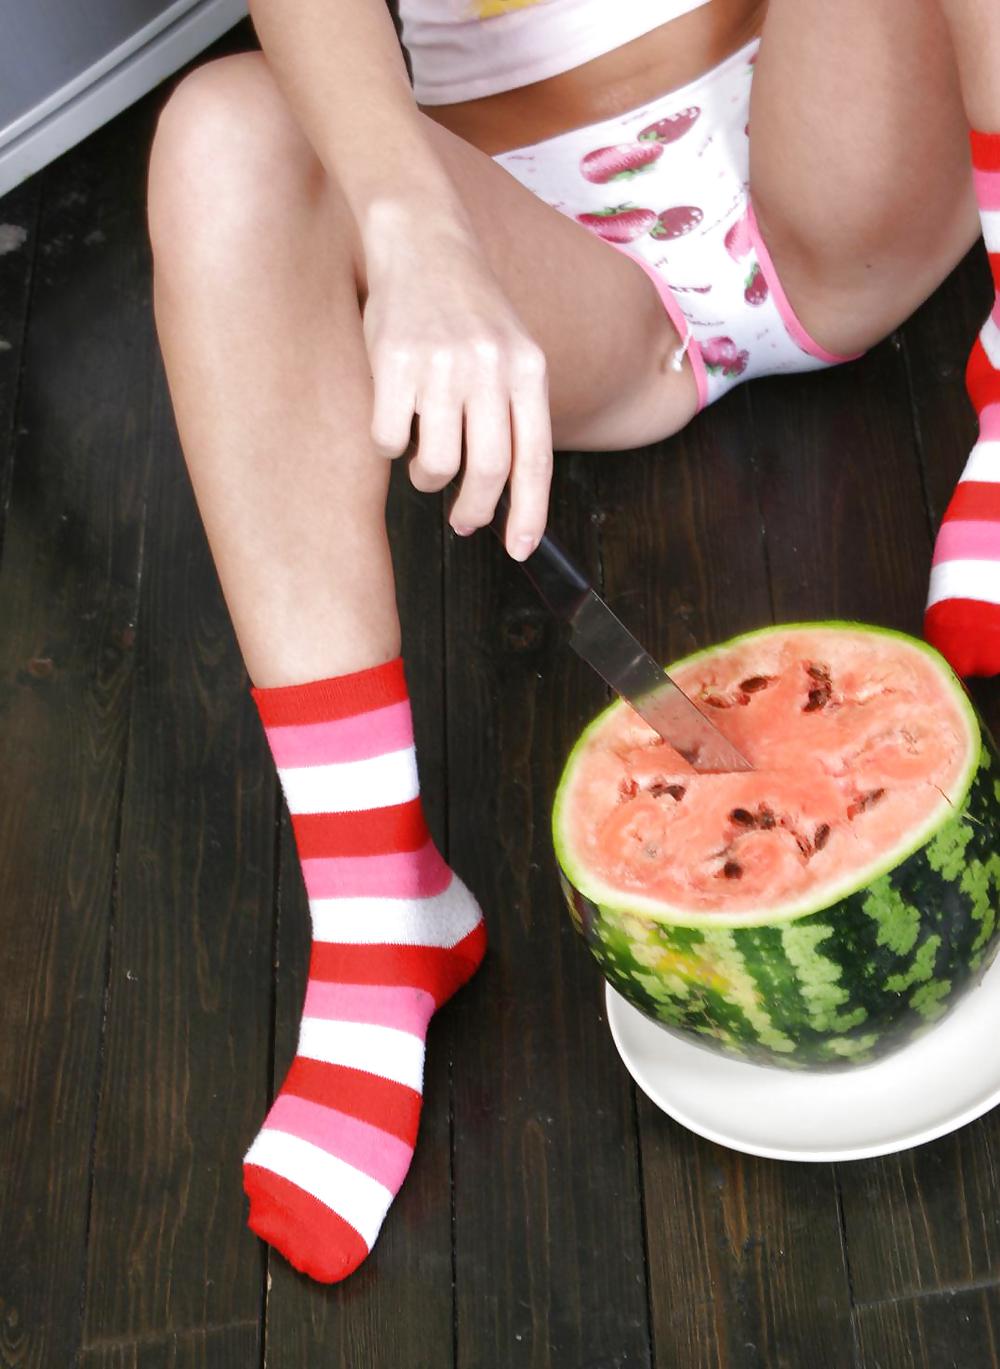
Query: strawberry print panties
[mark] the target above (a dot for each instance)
(668, 185)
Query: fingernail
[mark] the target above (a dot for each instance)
(523, 546)
(462, 532)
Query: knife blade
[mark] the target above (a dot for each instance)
(606, 644)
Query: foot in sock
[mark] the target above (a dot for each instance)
(395, 933)
(963, 609)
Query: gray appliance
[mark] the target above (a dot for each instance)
(66, 68)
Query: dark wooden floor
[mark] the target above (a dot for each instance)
(153, 927)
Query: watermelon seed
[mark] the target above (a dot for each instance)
(717, 701)
(765, 818)
(659, 787)
(864, 802)
(818, 698)
(755, 684)
(819, 672)
(822, 836)
(732, 869)
(742, 817)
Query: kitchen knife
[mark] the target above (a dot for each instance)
(605, 643)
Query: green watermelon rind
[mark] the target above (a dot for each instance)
(842, 987)
(617, 901)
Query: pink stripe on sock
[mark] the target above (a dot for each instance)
(406, 1009)
(783, 304)
(407, 874)
(987, 185)
(989, 423)
(966, 540)
(375, 1152)
(346, 739)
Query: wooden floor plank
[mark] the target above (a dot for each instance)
(397, 1308)
(19, 213)
(189, 999)
(68, 594)
(941, 1331)
(928, 1218)
(745, 1259)
(235, 1346)
(747, 1264)
(841, 494)
(188, 1004)
(549, 1257)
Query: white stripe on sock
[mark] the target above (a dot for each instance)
(439, 920)
(385, 1051)
(983, 463)
(357, 1197)
(990, 338)
(965, 580)
(991, 228)
(352, 786)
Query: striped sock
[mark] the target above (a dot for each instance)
(963, 609)
(395, 933)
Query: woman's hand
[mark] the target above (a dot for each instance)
(445, 344)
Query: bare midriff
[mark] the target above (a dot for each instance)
(658, 62)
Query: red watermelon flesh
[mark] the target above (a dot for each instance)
(856, 738)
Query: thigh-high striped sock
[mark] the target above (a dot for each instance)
(395, 933)
(963, 609)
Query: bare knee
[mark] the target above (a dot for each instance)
(227, 155)
(852, 279)
(850, 305)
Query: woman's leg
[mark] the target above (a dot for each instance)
(975, 36)
(861, 177)
(963, 608)
(256, 300)
(859, 162)
(258, 272)
(258, 281)
(256, 304)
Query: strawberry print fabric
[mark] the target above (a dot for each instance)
(668, 183)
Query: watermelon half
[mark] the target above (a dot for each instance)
(825, 908)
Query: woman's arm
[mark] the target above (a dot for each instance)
(339, 64)
(443, 340)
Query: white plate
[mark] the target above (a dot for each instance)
(930, 1087)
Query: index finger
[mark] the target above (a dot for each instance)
(531, 474)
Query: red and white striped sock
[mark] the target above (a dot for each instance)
(395, 933)
(963, 608)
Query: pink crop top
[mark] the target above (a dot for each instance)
(465, 49)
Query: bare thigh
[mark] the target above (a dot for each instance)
(859, 161)
(596, 315)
